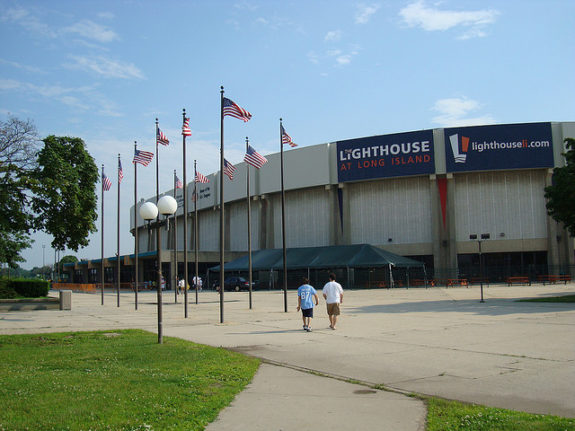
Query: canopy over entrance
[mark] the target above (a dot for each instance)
(338, 256)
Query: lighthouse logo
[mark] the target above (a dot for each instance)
(459, 152)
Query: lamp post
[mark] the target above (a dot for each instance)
(483, 237)
(167, 206)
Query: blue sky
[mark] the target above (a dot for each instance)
(104, 70)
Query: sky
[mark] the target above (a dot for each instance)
(333, 70)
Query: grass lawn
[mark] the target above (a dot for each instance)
(564, 298)
(115, 380)
(124, 380)
(443, 415)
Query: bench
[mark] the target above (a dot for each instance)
(518, 280)
(385, 285)
(551, 279)
(457, 281)
(478, 280)
(420, 282)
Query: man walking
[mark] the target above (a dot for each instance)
(333, 294)
(306, 295)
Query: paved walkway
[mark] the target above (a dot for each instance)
(437, 341)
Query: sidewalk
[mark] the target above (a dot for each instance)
(437, 341)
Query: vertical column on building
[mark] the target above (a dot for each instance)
(443, 215)
(266, 223)
(559, 243)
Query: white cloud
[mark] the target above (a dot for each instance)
(21, 66)
(332, 36)
(106, 67)
(91, 30)
(313, 57)
(417, 14)
(9, 84)
(106, 15)
(85, 98)
(29, 22)
(454, 112)
(342, 60)
(364, 13)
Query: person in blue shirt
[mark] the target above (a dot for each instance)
(306, 295)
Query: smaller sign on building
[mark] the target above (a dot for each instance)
(507, 146)
(396, 155)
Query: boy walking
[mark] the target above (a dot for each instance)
(306, 295)
(333, 294)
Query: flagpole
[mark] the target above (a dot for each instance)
(118, 270)
(222, 204)
(102, 232)
(157, 166)
(185, 220)
(249, 226)
(175, 245)
(283, 221)
(196, 227)
(136, 246)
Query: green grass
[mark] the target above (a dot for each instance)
(564, 299)
(124, 380)
(444, 415)
(115, 380)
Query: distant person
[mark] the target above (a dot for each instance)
(333, 294)
(306, 296)
(198, 282)
(181, 285)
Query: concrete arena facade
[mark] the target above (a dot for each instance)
(419, 194)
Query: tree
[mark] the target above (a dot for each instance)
(66, 202)
(18, 145)
(561, 194)
(51, 190)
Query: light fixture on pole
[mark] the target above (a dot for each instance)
(483, 237)
(167, 206)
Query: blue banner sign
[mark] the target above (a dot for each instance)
(397, 155)
(509, 146)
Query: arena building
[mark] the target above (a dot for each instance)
(439, 196)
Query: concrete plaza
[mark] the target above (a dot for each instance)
(436, 341)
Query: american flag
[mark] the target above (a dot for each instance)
(286, 139)
(120, 171)
(254, 158)
(201, 179)
(186, 131)
(106, 183)
(229, 169)
(233, 110)
(161, 138)
(179, 184)
(143, 157)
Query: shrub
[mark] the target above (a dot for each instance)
(30, 288)
(6, 292)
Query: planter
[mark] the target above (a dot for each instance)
(28, 304)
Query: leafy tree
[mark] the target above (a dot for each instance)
(51, 190)
(67, 199)
(561, 194)
(18, 145)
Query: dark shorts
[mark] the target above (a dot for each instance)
(333, 309)
(308, 312)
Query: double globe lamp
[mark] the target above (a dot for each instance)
(166, 206)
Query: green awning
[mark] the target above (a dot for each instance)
(339, 256)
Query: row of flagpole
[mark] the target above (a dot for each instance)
(252, 157)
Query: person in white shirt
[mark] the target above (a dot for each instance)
(198, 282)
(333, 294)
(181, 285)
